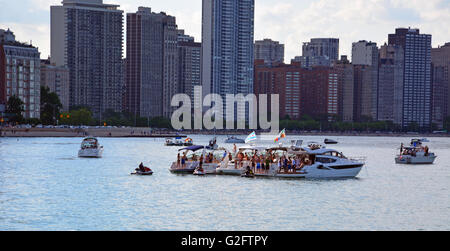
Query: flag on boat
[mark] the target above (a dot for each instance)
(281, 135)
(250, 137)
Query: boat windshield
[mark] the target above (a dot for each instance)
(89, 143)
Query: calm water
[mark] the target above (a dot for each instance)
(44, 186)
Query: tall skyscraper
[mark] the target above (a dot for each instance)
(390, 83)
(365, 58)
(440, 58)
(270, 51)
(86, 36)
(20, 73)
(227, 47)
(417, 89)
(189, 65)
(152, 63)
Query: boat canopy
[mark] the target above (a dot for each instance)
(90, 139)
(192, 148)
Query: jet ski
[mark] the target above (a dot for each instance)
(147, 171)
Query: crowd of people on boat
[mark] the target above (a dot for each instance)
(412, 151)
(262, 163)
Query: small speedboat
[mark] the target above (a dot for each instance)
(90, 148)
(234, 140)
(330, 141)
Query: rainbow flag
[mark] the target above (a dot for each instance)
(281, 135)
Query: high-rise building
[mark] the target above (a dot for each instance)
(417, 88)
(319, 52)
(270, 51)
(56, 78)
(302, 91)
(440, 58)
(20, 73)
(227, 47)
(189, 65)
(390, 83)
(346, 94)
(86, 36)
(365, 59)
(152, 63)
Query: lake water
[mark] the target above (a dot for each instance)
(45, 186)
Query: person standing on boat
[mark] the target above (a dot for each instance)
(183, 160)
(401, 148)
(234, 148)
(178, 160)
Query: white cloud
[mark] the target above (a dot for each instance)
(37, 35)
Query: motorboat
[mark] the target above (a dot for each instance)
(188, 161)
(234, 140)
(192, 154)
(330, 141)
(415, 154)
(174, 142)
(90, 148)
(311, 162)
(237, 165)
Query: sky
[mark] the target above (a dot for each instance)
(291, 22)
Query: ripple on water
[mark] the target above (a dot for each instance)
(44, 186)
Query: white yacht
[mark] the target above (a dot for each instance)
(90, 148)
(314, 162)
(415, 154)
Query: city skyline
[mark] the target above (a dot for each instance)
(290, 22)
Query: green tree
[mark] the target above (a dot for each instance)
(77, 117)
(50, 106)
(15, 107)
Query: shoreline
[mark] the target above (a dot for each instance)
(147, 133)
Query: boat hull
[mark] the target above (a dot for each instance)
(417, 160)
(90, 153)
(229, 171)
